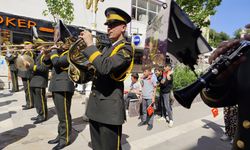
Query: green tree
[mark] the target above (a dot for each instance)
(60, 8)
(215, 38)
(199, 10)
(237, 33)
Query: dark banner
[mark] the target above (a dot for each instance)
(171, 31)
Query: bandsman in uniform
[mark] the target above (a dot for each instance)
(106, 108)
(62, 89)
(230, 88)
(10, 58)
(38, 85)
(26, 76)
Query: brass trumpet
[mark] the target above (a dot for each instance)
(48, 43)
(81, 70)
(8, 46)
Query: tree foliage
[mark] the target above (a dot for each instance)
(215, 38)
(237, 33)
(60, 8)
(240, 31)
(182, 77)
(199, 10)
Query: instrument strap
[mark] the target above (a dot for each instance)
(126, 73)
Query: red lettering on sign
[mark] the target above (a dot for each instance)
(21, 23)
(9, 21)
(31, 23)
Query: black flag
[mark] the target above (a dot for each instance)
(171, 31)
(61, 32)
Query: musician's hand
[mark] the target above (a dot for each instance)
(153, 99)
(87, 37)
(45, 51)
(53, 47)
(222, 48)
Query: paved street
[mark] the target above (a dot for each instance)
(193, 129)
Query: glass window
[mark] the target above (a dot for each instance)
(142, 4)
(144, 10)
(152, 6)
(134, 2)
(141, 15)
(159, 8)
(134, 12)
(151, 15)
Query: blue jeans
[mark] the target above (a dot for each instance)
(145, 117)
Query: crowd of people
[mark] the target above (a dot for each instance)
(112, 65)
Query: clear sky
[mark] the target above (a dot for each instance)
(230, 16)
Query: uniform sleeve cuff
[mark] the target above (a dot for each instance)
(91, 53)
(88, 51)
(34, 67)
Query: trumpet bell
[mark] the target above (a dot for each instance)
(80, 69)
(20, 62)
(80, 76)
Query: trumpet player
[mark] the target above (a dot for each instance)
(26, 76)
(10, 58)
(106, 108)
(62, 89)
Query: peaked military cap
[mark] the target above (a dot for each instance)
(116, 15)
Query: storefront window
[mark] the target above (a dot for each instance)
(5, 36)
(145, 10)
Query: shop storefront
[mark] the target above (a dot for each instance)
(16, 29)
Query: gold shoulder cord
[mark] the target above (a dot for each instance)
(125, 74)
(65, 69)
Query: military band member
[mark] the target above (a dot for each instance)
(26, 77)
(231, 88)
(106, 108)
(62, 89)
(38, 85)
(10, 58)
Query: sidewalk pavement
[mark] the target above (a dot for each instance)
(194, 129)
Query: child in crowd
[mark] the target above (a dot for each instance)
(148, 84)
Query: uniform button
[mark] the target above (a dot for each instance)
(94, 86)
(93, 94)
(246, 124)
(240, 144)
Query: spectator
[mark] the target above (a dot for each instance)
(165, 79)
(148, 84)
(134, 90)
(230, 120)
